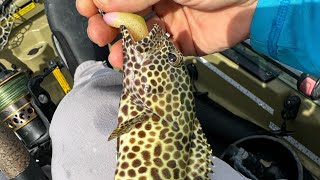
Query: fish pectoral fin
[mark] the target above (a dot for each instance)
(126, 126)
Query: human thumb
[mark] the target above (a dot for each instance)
(124, 5)
(209, 4)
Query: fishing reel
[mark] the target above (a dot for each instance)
(26, 110)
(20, 111)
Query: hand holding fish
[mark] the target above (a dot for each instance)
(197, 27)
(158, 134)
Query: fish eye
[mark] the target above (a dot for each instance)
(173, 59)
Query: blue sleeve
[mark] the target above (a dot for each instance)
(289, 31)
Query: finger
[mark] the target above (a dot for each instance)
(116, 18)
(99, 32)
(86, 8)
(116, 53)
(144, 12)
(152, 18)
(124, 5)
(209, 4)
(116, 56)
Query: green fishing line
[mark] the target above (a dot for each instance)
(12, 90)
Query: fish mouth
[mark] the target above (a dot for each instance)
(138, 50)
(156, 31)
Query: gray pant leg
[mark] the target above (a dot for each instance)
(2, 176)
(82, 123)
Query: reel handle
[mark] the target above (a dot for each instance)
(15, 161)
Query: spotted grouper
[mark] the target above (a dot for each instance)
(159, 136)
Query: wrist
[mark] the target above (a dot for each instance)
(241, 20)
(249, 8)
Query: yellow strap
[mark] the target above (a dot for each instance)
(25, 10)
(61, 79)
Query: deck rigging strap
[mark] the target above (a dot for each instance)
(6, 21)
